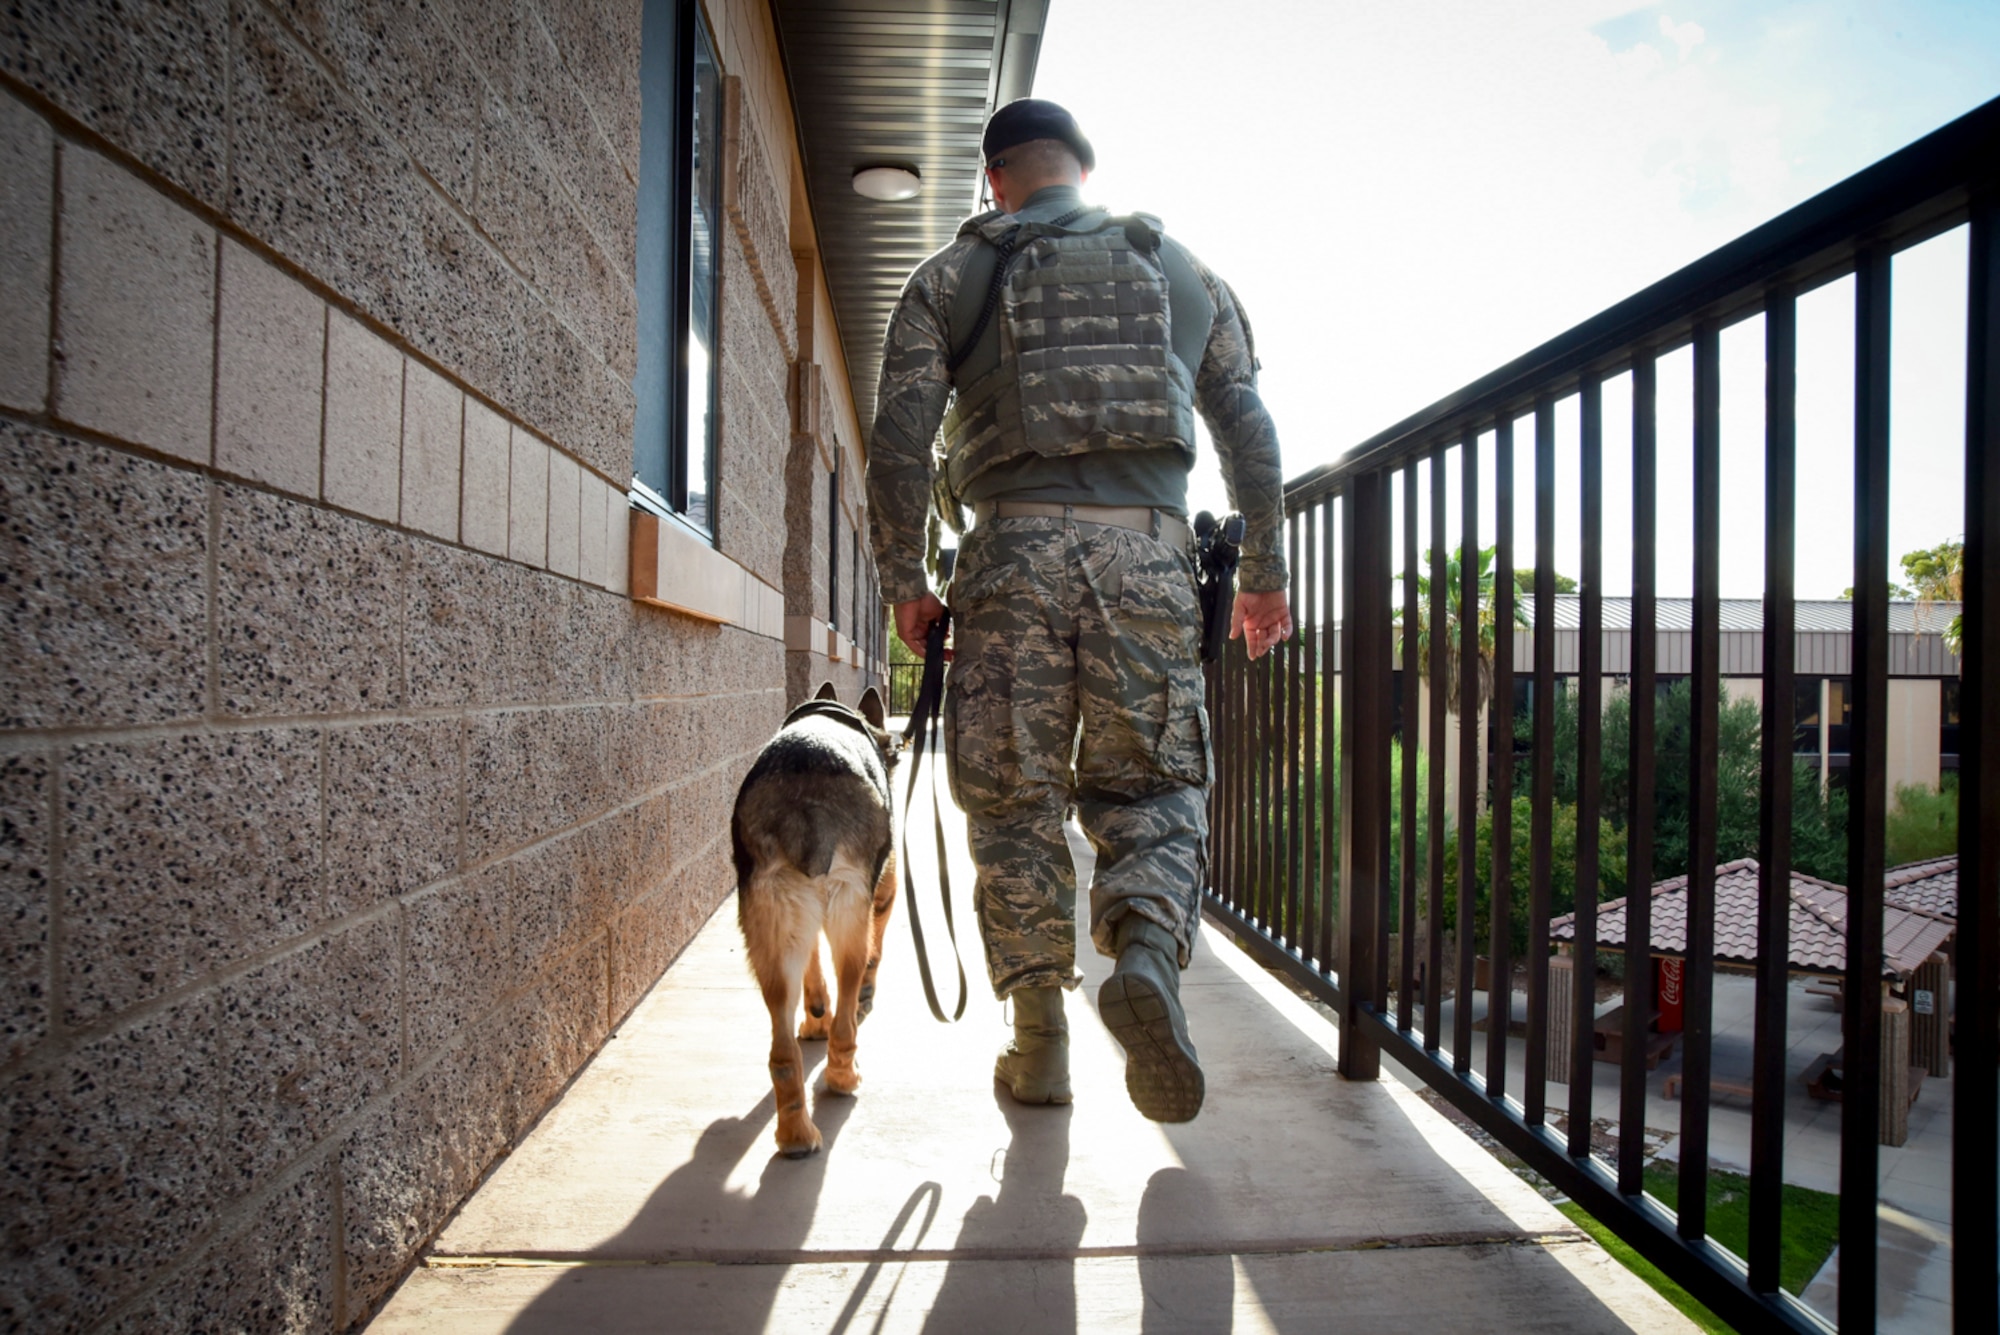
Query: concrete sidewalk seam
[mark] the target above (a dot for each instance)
(857, 1256)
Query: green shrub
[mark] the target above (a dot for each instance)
(1924, 822)
(1266, 792)
(1562, 870)
(1736, 772)
(1396, 828)
(1819, 819)
(1819, 826)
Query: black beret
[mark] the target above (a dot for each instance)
(1032, 118)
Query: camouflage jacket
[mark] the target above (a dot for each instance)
(916, 389)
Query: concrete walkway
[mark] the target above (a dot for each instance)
(650, 1197)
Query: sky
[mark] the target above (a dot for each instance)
(1406, 196)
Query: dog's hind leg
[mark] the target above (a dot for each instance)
(818, 1021)
(779, 946)
(849, 934)
(797, 1136)
(878, 927)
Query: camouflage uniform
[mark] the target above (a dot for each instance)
(1058, 623)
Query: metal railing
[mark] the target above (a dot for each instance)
(906, 675)
(1303, 808)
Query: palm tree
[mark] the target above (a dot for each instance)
(1454, 583)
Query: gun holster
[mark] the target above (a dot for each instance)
(1218, 546)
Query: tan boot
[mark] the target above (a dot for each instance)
(1035, 1064)
(1140, 1003)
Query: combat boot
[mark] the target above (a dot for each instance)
(1140, 1004)
(1035, 1064)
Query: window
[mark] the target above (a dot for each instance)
(1839, 720)
(1805, 717)
(1948, 723)
(833, 545)
(680, 212)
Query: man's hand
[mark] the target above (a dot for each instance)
(1260, 620)
(913, 621)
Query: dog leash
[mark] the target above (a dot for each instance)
(926, 727)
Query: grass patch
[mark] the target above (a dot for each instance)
(1811, 1220)
(1811, 1227)
(1646, 1270)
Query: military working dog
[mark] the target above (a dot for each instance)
(814, 854)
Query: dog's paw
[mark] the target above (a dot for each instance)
(842, 1081)
(816, 1026)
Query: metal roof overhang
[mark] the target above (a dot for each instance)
(906, 83)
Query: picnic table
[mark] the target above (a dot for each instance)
(1607, 1038)
(1823, 1078)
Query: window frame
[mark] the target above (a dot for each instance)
(833, 544)
(674, 35)
(1950, 722)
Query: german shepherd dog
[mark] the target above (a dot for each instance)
(814, 853)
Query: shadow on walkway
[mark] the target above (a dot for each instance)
(1182, 1292)
(1297, 1202)
(1031, 1197)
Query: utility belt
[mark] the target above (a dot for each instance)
(1214, 555)
(1168, 527)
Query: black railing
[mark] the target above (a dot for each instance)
(1304, 865)
(906, 674)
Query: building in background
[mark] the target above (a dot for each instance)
(1923, 674)
(1923, 722)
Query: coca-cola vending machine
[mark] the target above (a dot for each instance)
(1670, 973)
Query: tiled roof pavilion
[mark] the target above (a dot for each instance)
(1925, 887)
(1818, 919)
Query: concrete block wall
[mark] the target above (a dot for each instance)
(821, 426)
(347, 801)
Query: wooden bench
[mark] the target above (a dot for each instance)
(1607, 1038)
(1671, 1086)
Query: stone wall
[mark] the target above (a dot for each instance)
(347, 801)
(808, 494)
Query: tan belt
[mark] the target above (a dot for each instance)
(1168, 528)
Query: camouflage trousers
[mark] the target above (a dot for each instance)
(1076, 681)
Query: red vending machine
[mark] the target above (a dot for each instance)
(1670, 971)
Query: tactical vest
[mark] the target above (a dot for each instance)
(1085, 357)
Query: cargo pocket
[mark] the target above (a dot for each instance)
(975, 590)
(1184, 750)
(1163, 684)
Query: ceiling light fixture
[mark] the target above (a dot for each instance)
(888, 183)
